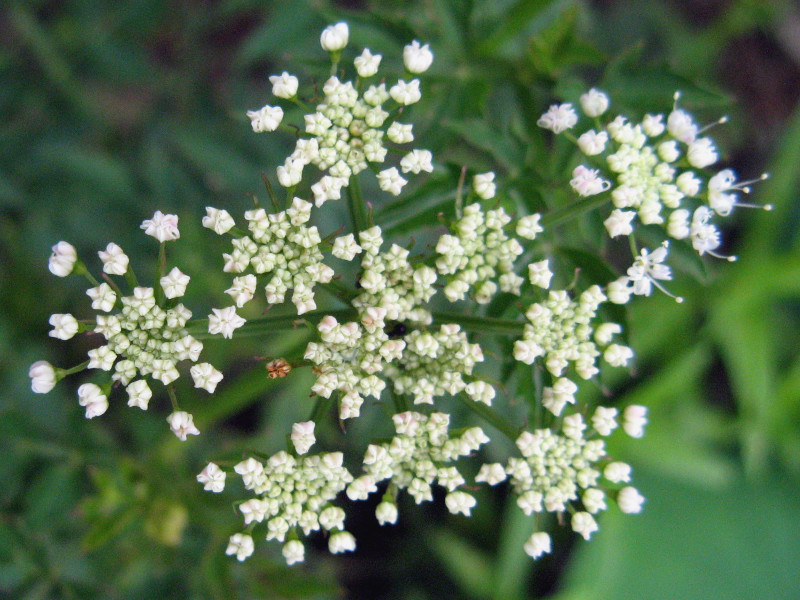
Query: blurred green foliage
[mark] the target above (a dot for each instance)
(113, 110)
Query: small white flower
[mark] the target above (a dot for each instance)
(491, 473)
(63, 259)
(65, 326)
(328, 188)
(92, 397)
(218, 220)
(205, 376)
(584, 524)
(681, 126)
(115, 261)
(284, 85)
(617, 355)
(332, 518)
(101, 358)
(406, 92)
(604, 421)
(361, 488)
(630, 500)
(386, 512)
(648, 268)
(162, 227)
(604, 333)
(241, 545)
(619, 292)
(539, 273)
(390, 180)
(484, 186)
(341, 541)
(345, 247)
(678, 224)
(400, 133)
(480, 391)
(139, 394)
(212, 478)
(587, 182)
(668, 151)
(653, 125)
(617, 472)
(367, 64)
(416, 58)
(224, 321)
(266, 118)
(174, 283)
(43, 377)
(182, 424)
(291, 172)
(592, 143)
(335, 37)
(303, 436)
(243, 289)
(594, 103)
(702, 153)
(558, 118)
(459, 502)
(619, 222)
(594, 500)
(573, 426)
(537, 544)
(416, 161)
(634, 418)
(528, 226)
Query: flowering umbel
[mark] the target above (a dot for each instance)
(449, 332)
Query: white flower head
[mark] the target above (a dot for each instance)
(558, 118)
(43, 377)
(367, 63)
(182, 424)
(284, 85)
(390, 180)
(303, 436)
(62, 260)
(65, 326)
(224, 321)
(266, 118)
(212, 478)
(115, 261)
(174, 283)
(484, 186)
(218, 220)
(594, 103)
(537, 544)
(91, 397)
(335, 37)
(416, 58)
(241, 545)
(162, 227)
(416, 161)
(205, 376)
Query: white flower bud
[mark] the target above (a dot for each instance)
(335, 37)
(65, 326)
(630, 500)
(241, 545)
(416, 58)
(139, 394)
(537, 544)
(284, 85)
(702, 153)
(389, 180)
(584, 524)
(115, 261)
(205, 376)
(558, 118)
(617, 472)
(224, 321)
(303, 436)
(653, 125)
(174, 283)
(342, 541)
(619, 222)
(182, 424)
(406, 92)
(367, 64)
(43, 377)
(459, 502)
(218, 220)
(617, 355)
(212, 478)
(634, 420)
(592, 143)
(92, 397)
(681, 126)
(594, 103)
(386, 512)
(63, 259)
(162, 227)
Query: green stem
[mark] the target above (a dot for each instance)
(162, 268)
(357, 206)
(61, 373)
(480, 324)
(492, 417)
(264, 325)
(575, 210)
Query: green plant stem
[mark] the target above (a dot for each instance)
(492, 417)
(572, 211)
(357, 206)
(264, 325)
(162, 268)
(480, 324)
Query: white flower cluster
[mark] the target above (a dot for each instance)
(480, 256)
(654, 169)
(415, 459)
(570, 472)
(389, 281)
(560, 331)
(349, 127)
(283, 247)
(349, 358)
(435, 363)
(293, 494)
(144, 336)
